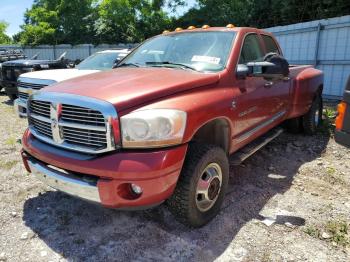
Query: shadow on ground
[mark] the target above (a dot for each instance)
(7, 102)
(81, 231)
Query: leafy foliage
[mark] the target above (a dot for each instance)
(117, 21)
(4, 38)
(263, 13)
(56, 22)
(129, 20)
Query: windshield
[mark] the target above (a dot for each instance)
(201, 51)
(100, 61)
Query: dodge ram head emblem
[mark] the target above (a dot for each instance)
(55, 111)
(54, 123)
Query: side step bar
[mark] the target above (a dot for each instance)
(241, 155)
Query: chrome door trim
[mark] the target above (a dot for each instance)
(260, 126)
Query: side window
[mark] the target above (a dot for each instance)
(270, 44)
(251, 50)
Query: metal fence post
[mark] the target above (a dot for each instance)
(319, 28)
(89, 49)
(54, 52)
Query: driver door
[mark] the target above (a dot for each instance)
(256, 101)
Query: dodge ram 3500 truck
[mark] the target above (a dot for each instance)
(160, 127)
(29, 83)
(342, 125)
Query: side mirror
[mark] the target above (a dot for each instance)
(242, 71)
(273, 67)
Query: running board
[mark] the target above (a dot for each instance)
(241, 155)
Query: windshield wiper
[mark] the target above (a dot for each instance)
(171, 63)
(128, 64)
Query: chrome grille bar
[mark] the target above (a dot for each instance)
(72, 122)
(23, 95)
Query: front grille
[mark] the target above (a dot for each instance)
(85, 137)
(44, 128)
(87, 117)
(82, 115)
(23, 96)
(8, 74)
(11, 73)
(31, 85)
(77, 124)
(40, 108)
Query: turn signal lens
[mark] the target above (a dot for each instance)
(166, 31)
(114, 124)
(178, 29)
(230, 26)
(205, 26)
(341, 114)
(191, 27)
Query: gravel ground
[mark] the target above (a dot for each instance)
(288, 202)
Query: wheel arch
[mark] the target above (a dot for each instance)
(216, 131)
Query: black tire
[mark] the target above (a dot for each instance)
(12, 97)
(183, 203)
(313, 118)
(294, 125)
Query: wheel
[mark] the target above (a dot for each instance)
(201, 187)
(294, 125)
(313, 118)
(12, 97)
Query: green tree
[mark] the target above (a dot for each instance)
(130, 20)
(58, 22)
(262, 13)
(4, 38)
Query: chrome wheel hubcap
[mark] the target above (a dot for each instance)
(317, 117)
(208, 187)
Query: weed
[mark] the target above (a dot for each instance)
(339, 231)
(327, 126)
(11, 141)
(331, 170)
(330, 113)
(8, 164)
(312, 231)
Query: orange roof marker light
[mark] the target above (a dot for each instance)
(191, 27)
(166, 31)
(205, 26)
(178, 29)
(230, 26)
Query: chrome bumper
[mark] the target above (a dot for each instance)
(20, 107)
(65, 182)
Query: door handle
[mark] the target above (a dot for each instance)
(269, 84)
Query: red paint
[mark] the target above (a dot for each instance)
(204, 96)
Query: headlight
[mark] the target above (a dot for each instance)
(153, 128)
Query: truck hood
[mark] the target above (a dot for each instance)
(128, 87)
(57, 75)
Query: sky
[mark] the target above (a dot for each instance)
(12, 12)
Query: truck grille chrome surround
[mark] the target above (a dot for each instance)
(27, 86)
(72, 122)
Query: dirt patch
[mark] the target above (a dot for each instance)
(288, 202)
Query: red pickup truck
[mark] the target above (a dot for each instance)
(160, 127)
